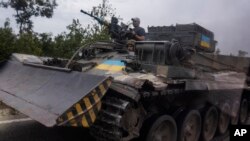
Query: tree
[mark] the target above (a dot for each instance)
(45, 43)
(63, 45)
(7, 40)
(242, 53)
(28, 43)
(25, 9)
(103, 11)
(68, 42)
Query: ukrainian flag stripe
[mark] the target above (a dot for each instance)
(114, 63)
(111, 65)
(116, 68)
(205, 38)
(205, 44)
(205, 41)
(103, 67)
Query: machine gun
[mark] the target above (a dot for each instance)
(120, 33)
(99, 20)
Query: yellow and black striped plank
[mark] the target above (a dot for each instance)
(84, 112)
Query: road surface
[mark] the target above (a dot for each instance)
(30, 130)
(20, 128)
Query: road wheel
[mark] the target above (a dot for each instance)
(163, 129)
(224, 118)
(190, 126)
(210, 121)
(243, 112)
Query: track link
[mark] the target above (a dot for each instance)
(108, 126)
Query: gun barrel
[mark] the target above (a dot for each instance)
(100, 21)
(84, 12)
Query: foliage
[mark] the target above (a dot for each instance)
(7, 40)
(25, 9)
(242, 53)
(104, 10)
(63, 45)
(28, 43)
(66, 44)
(46, 44)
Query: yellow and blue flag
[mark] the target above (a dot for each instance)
(205, 41)
(111, 65)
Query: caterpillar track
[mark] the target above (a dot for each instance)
(117, 120)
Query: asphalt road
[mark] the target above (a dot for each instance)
(33, 131)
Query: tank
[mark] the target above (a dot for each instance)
(170, 87)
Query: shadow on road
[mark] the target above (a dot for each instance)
(33, 131)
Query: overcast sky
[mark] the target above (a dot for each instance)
(228, 19)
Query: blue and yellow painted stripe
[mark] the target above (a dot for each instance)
(205, 41)
(111, 65)
(84, 112)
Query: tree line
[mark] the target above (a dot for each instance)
(45, 44)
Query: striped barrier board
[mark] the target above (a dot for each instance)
(85, 111)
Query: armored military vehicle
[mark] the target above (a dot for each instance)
(170, 87)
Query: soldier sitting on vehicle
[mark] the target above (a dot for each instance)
(138, 32)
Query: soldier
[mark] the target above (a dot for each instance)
(139, 32)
